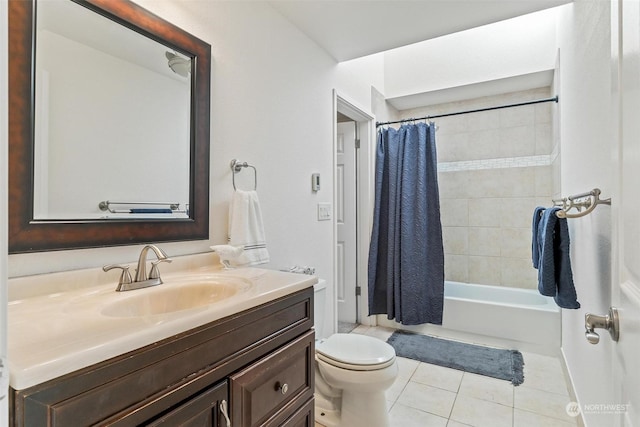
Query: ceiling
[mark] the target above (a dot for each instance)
(349, 29)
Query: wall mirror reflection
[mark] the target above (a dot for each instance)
(109, 126)
(112, 117)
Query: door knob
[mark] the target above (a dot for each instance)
(610, 322)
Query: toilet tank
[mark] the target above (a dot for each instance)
(319, 307)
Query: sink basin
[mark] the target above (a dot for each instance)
(169, 298)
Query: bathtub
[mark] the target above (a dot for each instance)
(495, 315)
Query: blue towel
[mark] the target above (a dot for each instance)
(150, 210)
(551, 254)
(535, 247)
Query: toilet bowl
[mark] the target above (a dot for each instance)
(352, 373)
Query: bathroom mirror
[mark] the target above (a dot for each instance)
(107, 103)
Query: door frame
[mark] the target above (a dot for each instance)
(365, 163)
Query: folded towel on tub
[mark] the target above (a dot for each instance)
(246, 229)
(550, 253)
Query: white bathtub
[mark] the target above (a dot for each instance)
(495, 315)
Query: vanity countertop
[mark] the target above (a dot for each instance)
(53, 334)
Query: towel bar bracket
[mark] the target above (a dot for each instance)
(587, 201)
(107, 205)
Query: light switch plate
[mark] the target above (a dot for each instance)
(324, 211)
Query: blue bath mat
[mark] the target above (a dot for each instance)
(477, 359)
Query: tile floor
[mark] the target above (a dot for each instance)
(426, 395)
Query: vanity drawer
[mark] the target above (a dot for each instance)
(270, 390)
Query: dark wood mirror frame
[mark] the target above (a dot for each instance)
(29, 235)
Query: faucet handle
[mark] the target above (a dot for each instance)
(155, 272)
(125, 277)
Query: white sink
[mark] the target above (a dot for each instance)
(169, 298)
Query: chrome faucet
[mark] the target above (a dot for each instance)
(142, 280)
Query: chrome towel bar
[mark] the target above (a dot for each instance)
(588, 201)
(106, 205)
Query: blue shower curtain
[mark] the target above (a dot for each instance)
(406, 256)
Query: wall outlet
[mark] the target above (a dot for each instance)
(324, 211)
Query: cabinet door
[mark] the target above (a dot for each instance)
(304, 417)
(270, 390)
(203, 410)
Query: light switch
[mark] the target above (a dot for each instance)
(324, 211)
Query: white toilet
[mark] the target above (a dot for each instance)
(352, 374)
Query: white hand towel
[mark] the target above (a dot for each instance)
(246, 229)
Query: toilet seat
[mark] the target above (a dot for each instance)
(355, 352)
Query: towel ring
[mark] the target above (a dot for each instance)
(236, 166)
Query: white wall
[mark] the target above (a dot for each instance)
(586, 162)
(509, 48)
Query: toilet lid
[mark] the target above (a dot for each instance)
(355, 349)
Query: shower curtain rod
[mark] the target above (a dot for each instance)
(520, 104)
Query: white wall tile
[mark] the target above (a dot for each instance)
(456, 267)
(483, 144)
(517, 212)
(543, 138)
(517, 116)
(484, 270)
(484, 241)
(452, 146)
(483, 120)
(453, 185)
(485, 212)
(518, 273)
(544, 181)
(517, 141)
(456, 240)
(543, 112)
(454, 212)
(515, 242)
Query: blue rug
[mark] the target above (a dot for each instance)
(477, 359)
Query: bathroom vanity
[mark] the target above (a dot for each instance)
(250, 358)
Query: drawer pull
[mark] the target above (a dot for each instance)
(283, 388)
(223, 409)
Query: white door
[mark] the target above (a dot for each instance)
(346, 221)
(626, 286)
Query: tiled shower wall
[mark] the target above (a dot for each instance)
(494, 168)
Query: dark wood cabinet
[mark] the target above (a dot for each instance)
(268, 391)
(241, 359)
(208, 409)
